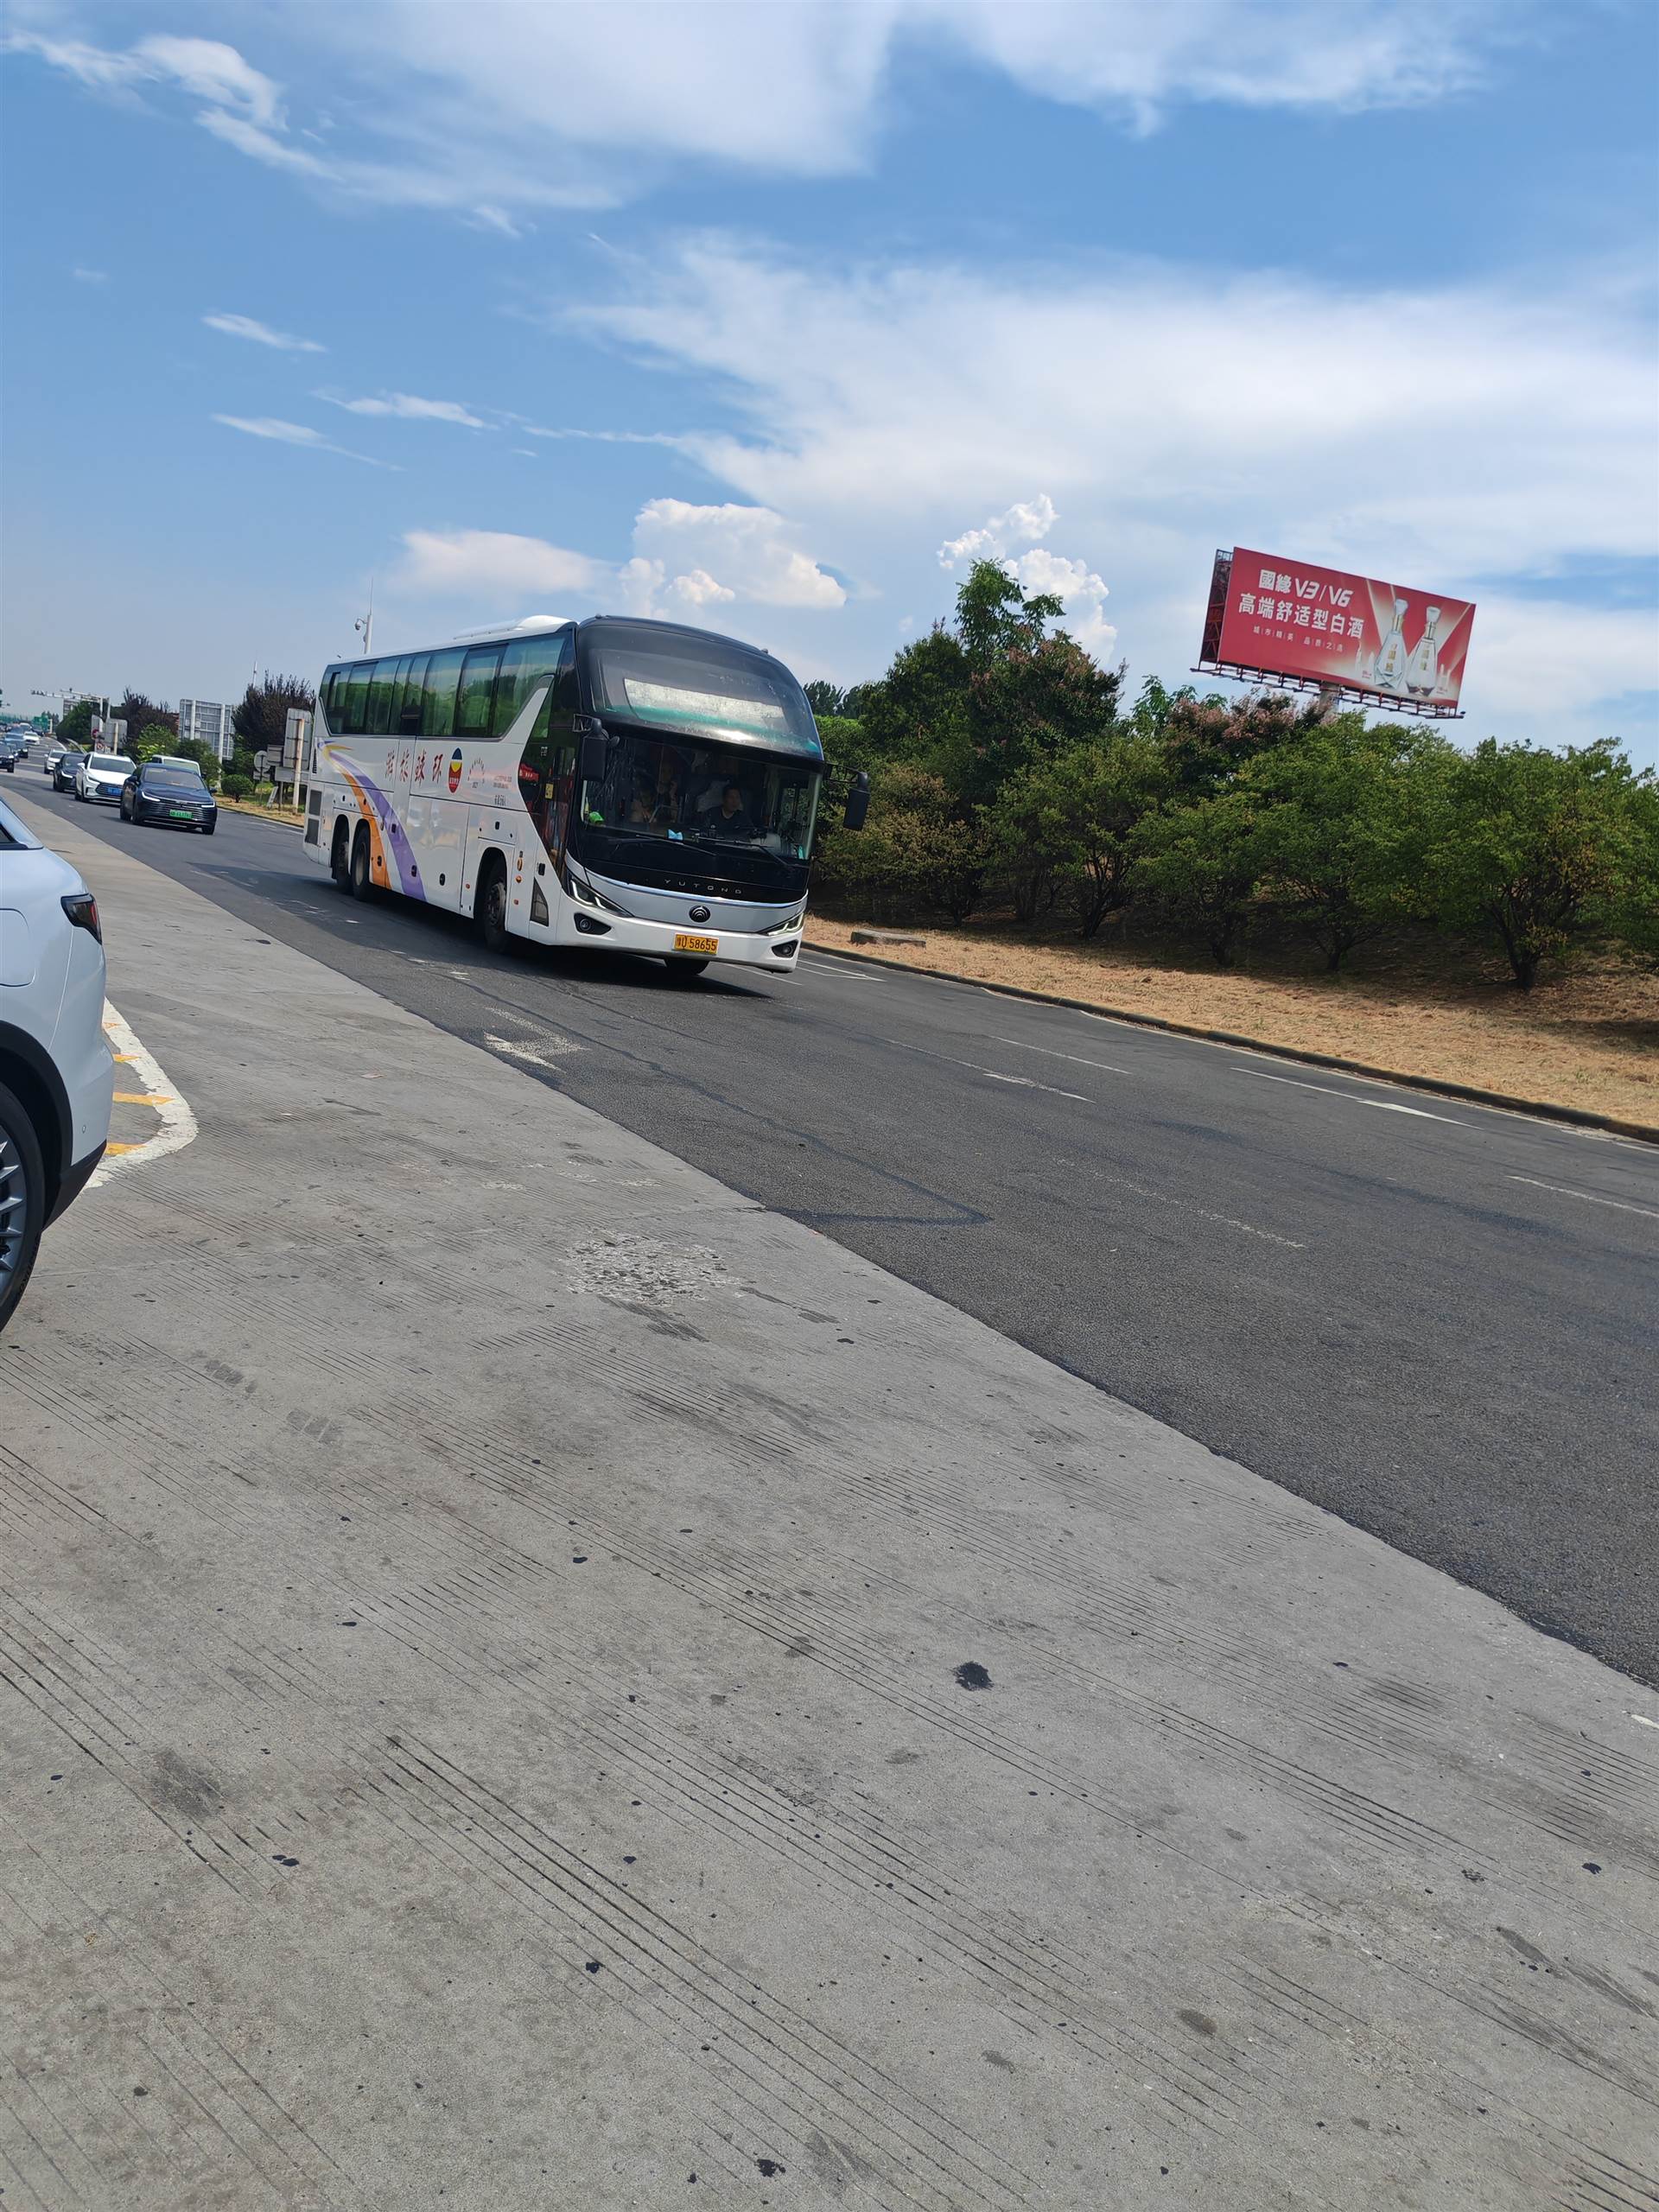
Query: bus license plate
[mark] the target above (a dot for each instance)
(684, 943)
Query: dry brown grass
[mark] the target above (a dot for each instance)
(1588, 1037)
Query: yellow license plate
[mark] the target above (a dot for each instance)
(684, 943)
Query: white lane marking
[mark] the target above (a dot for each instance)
(1382, 1105)
(178, 1123)
(516, 1050)
(1590, 1198)
(824, 960)
(1643, 1721)
(1048, 1052)
(1025, 1084)
(1226, 1220)
(975, 1067)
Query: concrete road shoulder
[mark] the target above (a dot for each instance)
(529, 1678)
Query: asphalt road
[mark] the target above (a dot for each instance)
(1436, 1321)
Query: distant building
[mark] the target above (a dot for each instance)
(204, 721)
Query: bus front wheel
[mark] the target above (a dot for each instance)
(491, 911)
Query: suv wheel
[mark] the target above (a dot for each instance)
(23, 1200)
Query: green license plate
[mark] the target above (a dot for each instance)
(181, 814)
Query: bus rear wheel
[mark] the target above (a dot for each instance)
(681, 971)
(362, 883)
(339, 865)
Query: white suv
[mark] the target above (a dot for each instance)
(56, 1076)
(101, 775)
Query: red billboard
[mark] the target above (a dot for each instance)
(1308, 625)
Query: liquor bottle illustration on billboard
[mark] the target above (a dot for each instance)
(1423, 669)
(1390, 668)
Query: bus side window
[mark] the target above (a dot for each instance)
(383, 690)
(357, 699)
(527, 664)
(442, 677)
(477, 690)
(407, 720)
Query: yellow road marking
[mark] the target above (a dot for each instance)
(124, 1147)
(121, 1059)
(141, 1098)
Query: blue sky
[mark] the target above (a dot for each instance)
(819, 301)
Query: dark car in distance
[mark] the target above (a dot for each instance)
(11, 751)
(164, 792)
(68, 768)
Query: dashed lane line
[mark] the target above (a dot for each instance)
(175, 1123)
(1590, 1198)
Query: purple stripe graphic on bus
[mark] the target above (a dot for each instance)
(396, 843)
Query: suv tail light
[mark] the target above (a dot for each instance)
(82, 910)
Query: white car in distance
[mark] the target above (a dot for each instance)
(101, 775)
(57, 1079)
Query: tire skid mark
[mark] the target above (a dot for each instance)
(28, 1493)
(148, 1995)
(676, 1964)
(1024, 1978)
(13, 2113)
(735, 2079)
(67, 1711)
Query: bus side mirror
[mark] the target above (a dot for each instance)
(858, 801)
(595, 756)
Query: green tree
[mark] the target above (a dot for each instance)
(1201, 862)
(1210, 739)
(824, 697)
(75, 725)
(917, 853)
(1346, 817)
(1545, 851)
(152, 738)
(1074, 820)
(141, 713)
(261, 716)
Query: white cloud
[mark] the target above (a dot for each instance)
(1038, 570)
(90, 276)
(685, 558)
(749, 548)
(408, 409)
(204, 69)
(295, 433)
(1165, 413)
(245, 326)
(466, 564)
(1023, 522)
(1082, 593)
(1526, 650)
(493, 109)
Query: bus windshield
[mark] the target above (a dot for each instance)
(671, 792)
(705, 687)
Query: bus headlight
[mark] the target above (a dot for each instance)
(589, 897)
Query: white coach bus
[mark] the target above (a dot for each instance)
(633, 786)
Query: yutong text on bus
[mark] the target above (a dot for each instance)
(629, 785)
